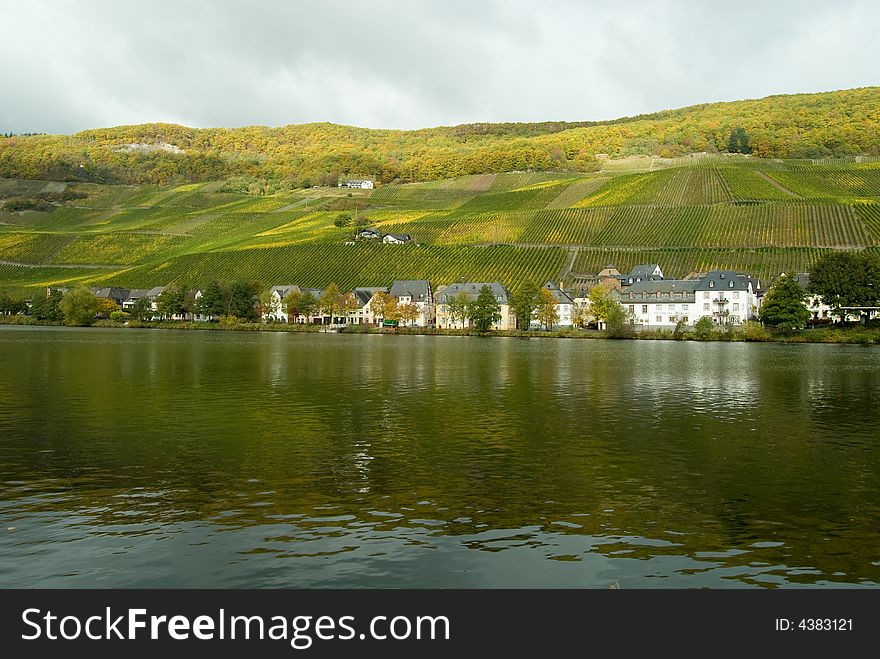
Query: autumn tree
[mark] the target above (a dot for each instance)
(384, 306)
(523, 304)
(290, 305)
(348, 303)
(458, 307)
(409, 312)
(106, 306)
(547, 309)
(330, 302)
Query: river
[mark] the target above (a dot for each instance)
(150, 458)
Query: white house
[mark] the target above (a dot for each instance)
(357, 184)
(723, 295)
(364, 314)
(472, 289)
(564, 306)
(152, 294)
(396, 238)
(418, 292)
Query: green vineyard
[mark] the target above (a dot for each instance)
(757, 216)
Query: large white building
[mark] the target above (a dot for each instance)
(564, 307)
(723, 295)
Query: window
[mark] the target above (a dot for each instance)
(711, 284)
(644, 308)
(684, 308)
(736, 295)
(731, 283)
(672, 319)
(705, 307)
(659, 320)
(632, 309)
(705, 295)
(736, 306)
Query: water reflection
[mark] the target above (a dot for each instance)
(147, 458)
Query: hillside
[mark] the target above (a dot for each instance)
(754, 215)
(262, 160)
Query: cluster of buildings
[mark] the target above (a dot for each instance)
(650, 300)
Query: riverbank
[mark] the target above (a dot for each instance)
(751, 332)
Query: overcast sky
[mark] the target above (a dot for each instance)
(71, 65)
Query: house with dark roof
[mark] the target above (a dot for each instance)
(727, 297)
(564, 306)
(114, 293)
(396, 238)
(724, 296)
(470, 290)
(643, 272)
(418, 292)
(369, 234)
(364, 314)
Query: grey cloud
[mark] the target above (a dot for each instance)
(71, 66)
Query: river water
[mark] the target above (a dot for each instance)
(156, 458)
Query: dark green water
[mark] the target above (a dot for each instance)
(165, 458)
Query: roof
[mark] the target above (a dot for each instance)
(645, 271)
(472, 289)
(402, 237)
(284, 290)
(561, 296)
(659, 289)
(364, 294)
(418, 290)
(111, 292)
(726, 279)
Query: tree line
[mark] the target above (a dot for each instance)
(263, 160)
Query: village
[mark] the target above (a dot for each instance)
(645, 299)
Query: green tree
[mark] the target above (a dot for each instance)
(546, 309)
(308, 305)
(847, 279)
(79, 307)
(142, 309)
(458, 307)
(738, 142)
(523, 304)
(703, 328)
(242, 301)
(212, 302)
(484, 311)
(171, 302)
(47, 307)
(10, 305)
(342, 220)
(784, 305)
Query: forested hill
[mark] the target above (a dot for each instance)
(258, 159)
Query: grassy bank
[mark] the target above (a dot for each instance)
(751, 333)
